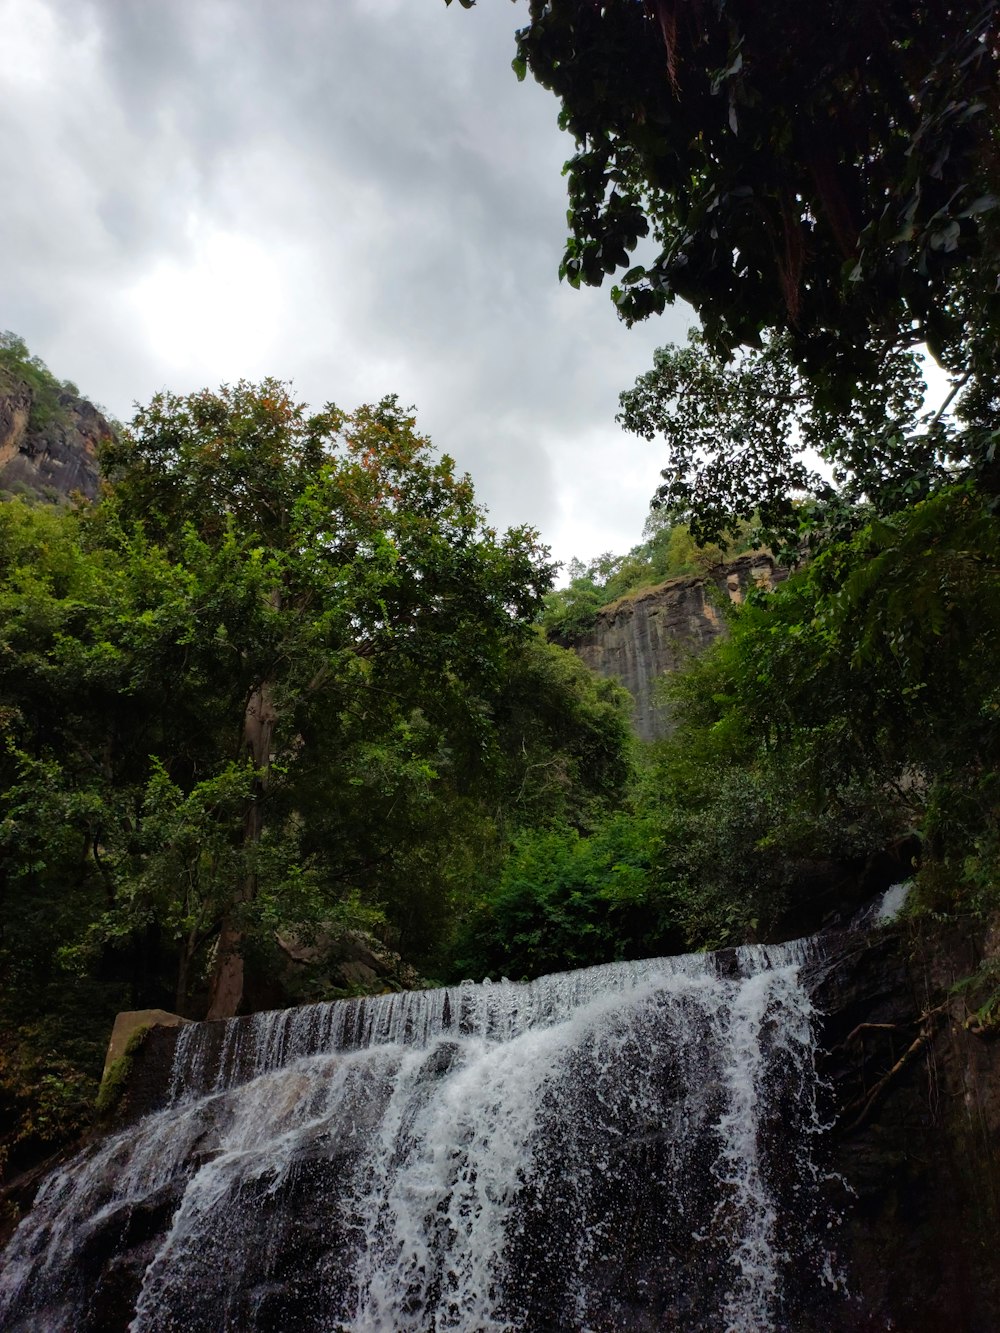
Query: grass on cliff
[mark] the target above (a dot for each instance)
(18, 366)
(669, 552)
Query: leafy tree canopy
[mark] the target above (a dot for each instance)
(828, 172)
(854, 704)
(282, 681)
(283, 676)
(746, 438)
(822, 186)
(738, 438)
(872, 665)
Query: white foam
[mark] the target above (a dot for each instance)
(479, 1148)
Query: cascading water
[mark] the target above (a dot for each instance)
(626, 1147)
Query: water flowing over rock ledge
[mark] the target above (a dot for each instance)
(623, 1147)
(634, 1147)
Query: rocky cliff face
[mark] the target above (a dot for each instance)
(54, 459)
(914, 1085)
(640, 637)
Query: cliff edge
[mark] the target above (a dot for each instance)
(50, 455)
(641, 636)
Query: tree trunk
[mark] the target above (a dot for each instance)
(189, 949)
(183, 973)
(226, 989)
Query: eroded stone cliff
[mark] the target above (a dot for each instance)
(640, 637)
(54, 458)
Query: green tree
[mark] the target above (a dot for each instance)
(349, 575)
(270, 619)
(830, 174)
(567, 900)
(861, 695)
(737, 437)
(822, 187)
(563, 744)
(281, 682)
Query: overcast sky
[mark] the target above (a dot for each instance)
(355, 195)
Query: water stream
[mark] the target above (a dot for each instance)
(626, 1147)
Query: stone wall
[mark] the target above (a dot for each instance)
(640, 637)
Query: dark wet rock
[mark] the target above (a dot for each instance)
(916, 1099)
(334, 960)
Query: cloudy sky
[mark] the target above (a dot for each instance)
(355, 195)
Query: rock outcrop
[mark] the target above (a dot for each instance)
(914, 1085)
(53, 459)
(131, 1021)
(645, 634)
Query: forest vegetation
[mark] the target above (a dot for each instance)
(284, 680)
(828, 204)
(20, 370)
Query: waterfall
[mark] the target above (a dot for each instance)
(626, 1147)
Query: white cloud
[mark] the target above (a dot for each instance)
(221, 306)
(354, 195)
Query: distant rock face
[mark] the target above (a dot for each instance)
(56, 460)
(639, 638)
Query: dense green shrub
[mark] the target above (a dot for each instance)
(566, 900)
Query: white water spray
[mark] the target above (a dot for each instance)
(626, 1147)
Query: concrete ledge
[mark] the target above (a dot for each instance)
(129, 1021)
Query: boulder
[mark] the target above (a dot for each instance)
(130, 1021)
